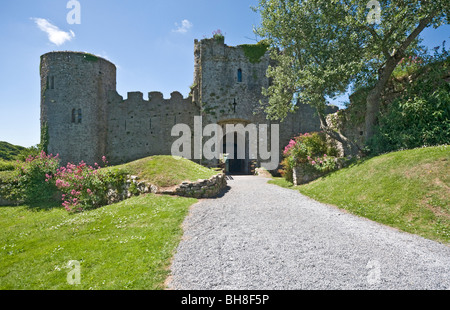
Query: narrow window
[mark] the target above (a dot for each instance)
(52, 84)
(73, 115)
(239, 75)
(79, 116)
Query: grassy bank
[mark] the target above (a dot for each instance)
(165, 171)
(408, 190)
(122, 246)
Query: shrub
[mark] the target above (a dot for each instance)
(31, 178)
(85, 187)
(322, 164)
(421, 115)
(6, 165)
(218, 35)
(311, 151)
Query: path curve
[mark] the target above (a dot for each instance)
(259, 236)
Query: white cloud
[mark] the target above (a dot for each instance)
(184, 27)
(55, 35)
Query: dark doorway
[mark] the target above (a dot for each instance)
(235, 165)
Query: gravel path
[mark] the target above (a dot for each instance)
(260, 236)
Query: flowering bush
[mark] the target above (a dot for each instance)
(31, 176)
(323, 164)
(310, 151)
(82, 186)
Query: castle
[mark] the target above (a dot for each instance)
(85, 118)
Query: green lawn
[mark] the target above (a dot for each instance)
(409, 190)
(127, 245)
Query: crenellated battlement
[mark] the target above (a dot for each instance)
(87, 118)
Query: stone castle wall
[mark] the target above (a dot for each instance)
(139, 127)
(73, 104)
(226, 90)
(228, 87)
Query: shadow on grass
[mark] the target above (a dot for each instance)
(36, 206)
(43, 206)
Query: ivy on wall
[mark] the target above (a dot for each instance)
(43, 146)
(254, 52)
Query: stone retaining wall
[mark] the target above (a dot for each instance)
(207, 188)
(300, 176)
(203, 188)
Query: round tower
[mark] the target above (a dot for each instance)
(74, 89)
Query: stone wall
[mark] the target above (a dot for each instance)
(138, 128)
(74, 89)
(128, 129)
(205, 188)
(229, 97)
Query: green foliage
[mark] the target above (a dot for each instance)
(322, 47)
(7, 165)
(218, 36)
(9, 188)
(90, 57)
(9, 151)
(31, 179)
(85, 187)
(28, 152)
(254, 52)
(419, 117)
(43, 146)
(311, 151)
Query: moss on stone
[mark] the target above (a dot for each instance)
(90, 57)
(254, 52)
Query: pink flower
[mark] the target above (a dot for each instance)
(313, 162)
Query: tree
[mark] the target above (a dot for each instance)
(323, 46)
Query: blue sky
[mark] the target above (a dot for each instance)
(150, 41)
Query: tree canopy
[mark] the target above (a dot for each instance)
(322, 47)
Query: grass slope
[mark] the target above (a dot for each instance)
(165, 171)
(408, 190)
(9, 151)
